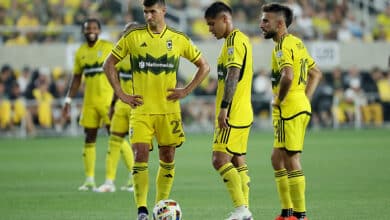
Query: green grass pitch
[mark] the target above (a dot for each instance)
(347, 173)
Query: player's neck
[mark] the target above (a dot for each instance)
(158, 28)
(280, 36)
(229, 30)
(91, 44)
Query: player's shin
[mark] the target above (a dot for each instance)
(232, 181)
(141, 183)
(164, 180)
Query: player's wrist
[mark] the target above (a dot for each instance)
(224, 104)
(67, 100)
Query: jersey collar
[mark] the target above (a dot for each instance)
(159, 35)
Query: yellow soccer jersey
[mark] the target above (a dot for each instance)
(126, 79)
(155, 61)
(236, 52)
(290, 51)
(89, 62)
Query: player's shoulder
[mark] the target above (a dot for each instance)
(137, 29)
(83, 47)
(105, 42)
(178, 33)
(236, 37)
(287, 41)
(292, 39)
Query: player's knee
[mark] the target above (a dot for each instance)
(90, 135)
(277, 162)
(141, 154)
(167, 154)
(218, 162)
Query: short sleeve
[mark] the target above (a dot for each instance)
(77, 66)
(235, 54)
(190, 50)
(284, 56)
(121, 49)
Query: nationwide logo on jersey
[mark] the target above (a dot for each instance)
(143, 44)
(169, 45)
(155, 65)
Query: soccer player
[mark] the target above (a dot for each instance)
(98, 93)
(233, 107)
(120, 118)
(294, 79)
(155, 50)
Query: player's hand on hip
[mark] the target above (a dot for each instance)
(176, 93)
(223, 119)
(133, 100)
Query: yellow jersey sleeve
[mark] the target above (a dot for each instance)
(121, 49)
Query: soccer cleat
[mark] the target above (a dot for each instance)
(87, 186)
(129, 188)
(240, 214)
(143, 216)
(106, 187)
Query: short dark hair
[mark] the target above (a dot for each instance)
(217, 7)
(148, 3)
(280, 9)
(91, 20)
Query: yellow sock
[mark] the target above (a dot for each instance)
(164, 180)
(127, 154)
(114, 148)
(89, 157)
(297, 184)
(282, 185)
(141, 183)
(232, 180)
(245, 182)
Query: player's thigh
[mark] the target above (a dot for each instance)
(294, 131)
(169, 129)
(120, 120)
(278, 129)
(103, 114)
(233, 141)
(141, 129)
(91, 117)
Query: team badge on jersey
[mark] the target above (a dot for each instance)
(279, 54)
(169, 44)
(99, 53)
(230, 51)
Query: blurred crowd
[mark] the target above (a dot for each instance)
(31, 97)
(345, 97)
(42, 21)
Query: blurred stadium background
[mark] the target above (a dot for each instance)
(346, 163)
(350, 39)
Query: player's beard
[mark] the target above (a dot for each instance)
(269, 34)
(91, 37)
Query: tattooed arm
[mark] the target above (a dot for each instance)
(231, 81)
